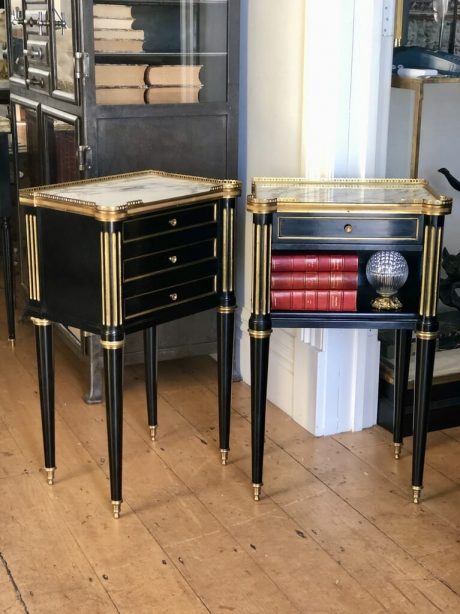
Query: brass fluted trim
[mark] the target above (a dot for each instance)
(257, 491)
(225, 310)
(416, 492)
(225, 263)
(224, 456)
(116, 506)
(111, 278)
(40, 321)
(112, 345)
(426, 336)
(256, 269)
(259, 334)
(32, 257)
(398, 27)
(266, 270)
(50, 475)
(431, 270)
(231, 256)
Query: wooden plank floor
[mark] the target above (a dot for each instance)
(335, 531)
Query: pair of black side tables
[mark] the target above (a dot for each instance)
(125, 253)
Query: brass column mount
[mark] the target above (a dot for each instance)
(224, 456)
(257, 491)
(50, 475)
(116, 506)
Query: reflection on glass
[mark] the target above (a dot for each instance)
(63, 33)
(17, 39)
(180, 52)
(61, 151)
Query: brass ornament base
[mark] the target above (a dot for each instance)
(224, 456)
(416, 491)
(50, 475)
(12, 343)
(398, 447)
(116, 506)
(153, 432)
(257, 491)
(386, 303)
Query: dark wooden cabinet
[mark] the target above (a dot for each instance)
(64, 129)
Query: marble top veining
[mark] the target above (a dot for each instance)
(121, 191)
(344, 194)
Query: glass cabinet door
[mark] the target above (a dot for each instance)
(16, 52)
(64, 36)
(161, 52)
(61, 140)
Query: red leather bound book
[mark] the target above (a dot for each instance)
(314, 262)
(314, 280)
(313, 300)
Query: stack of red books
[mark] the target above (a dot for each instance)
(314, 282)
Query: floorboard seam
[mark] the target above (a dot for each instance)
(13, 583)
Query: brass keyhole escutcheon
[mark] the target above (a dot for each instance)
(348, 228)
(173, 296)
(173, 222)
(173, 259)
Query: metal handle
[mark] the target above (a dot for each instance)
(36, 81)
(173, 296)
(173, 259)
(173, 222)
(36, 53)
(17, 18)
(348, 228)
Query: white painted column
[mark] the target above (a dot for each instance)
(340, 54)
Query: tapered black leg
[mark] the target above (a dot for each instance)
(45, 364)
(8, 276)
(402, 359)
(260, 344)
(426, 346)
(151, 378)
(225, 334)
(113, 367)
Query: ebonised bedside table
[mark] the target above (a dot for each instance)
(121, 254)
(359, 217)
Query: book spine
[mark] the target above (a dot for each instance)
(313, 300)
(314, 280)
(315, 262)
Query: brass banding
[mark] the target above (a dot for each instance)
(112, 345)
(426, 336)
(225, 310)
(40, 322)
(259, 334)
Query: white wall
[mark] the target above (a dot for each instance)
(315, 103)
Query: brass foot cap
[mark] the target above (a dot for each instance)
(417, 491)
(257, 490)
(12, 343)
(50, 475)
(398, 447)
(116, 505)
(153, 432)
(224, 456)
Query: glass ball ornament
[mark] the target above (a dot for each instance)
(387, 272)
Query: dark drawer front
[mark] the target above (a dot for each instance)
(346, 229)
(170, 260)
(38, 80)
(173, 221)
(152, 244)
(38, 53)
(137, 306)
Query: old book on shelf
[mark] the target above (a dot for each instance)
(117, 75)
(113, 11)
(314, 262)
(313, 300)
(137, 35)
(118, 45)
(180, 74)
(107, 23)
(314, 280)
(147, 95)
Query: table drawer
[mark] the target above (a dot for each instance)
(153, 244)
(356, 229)
(168, 260)
(142, 304)
(174, 220)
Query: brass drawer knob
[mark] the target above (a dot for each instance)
(348, 228)
(173, 296)
(173, 259)
(173, 222)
